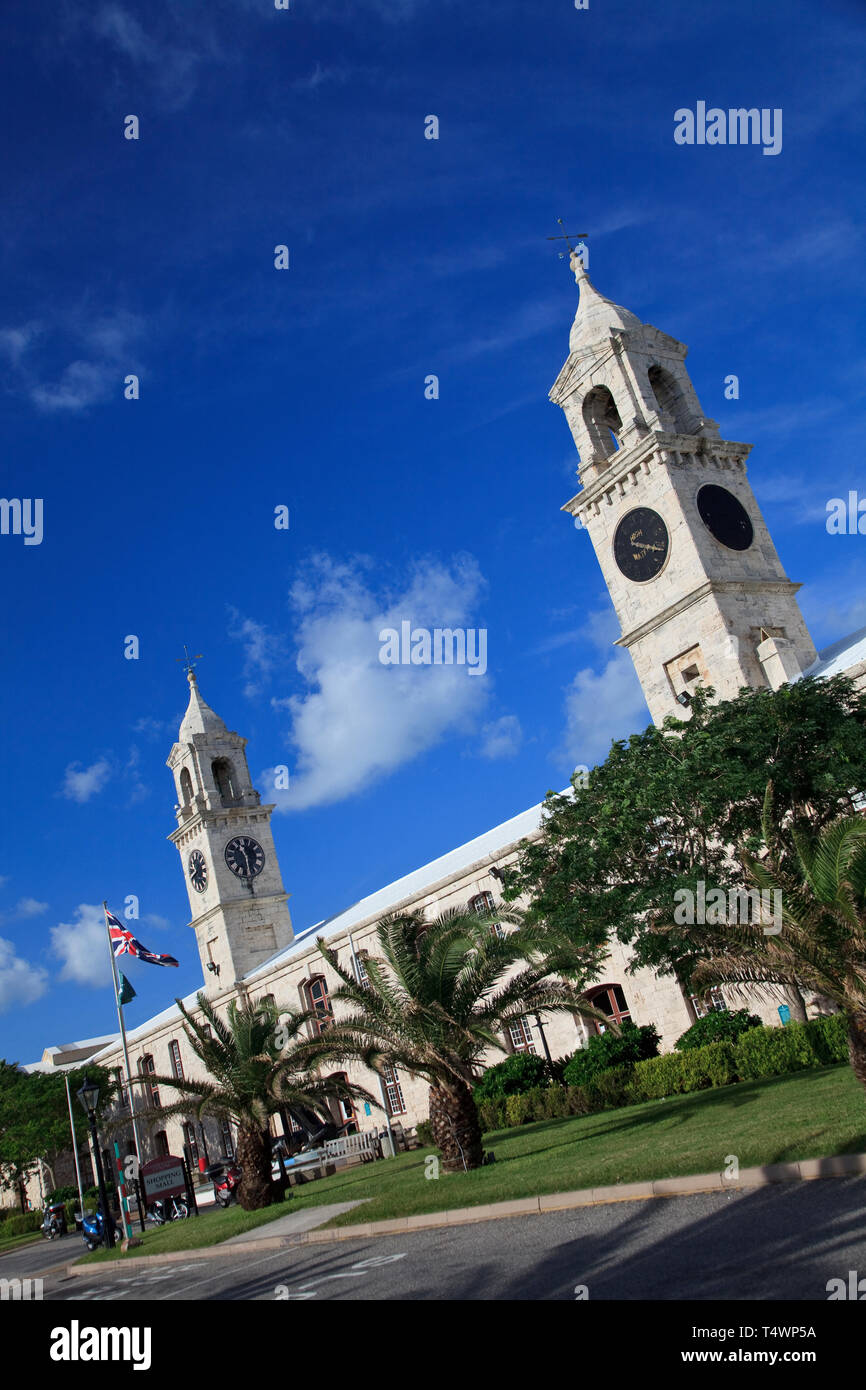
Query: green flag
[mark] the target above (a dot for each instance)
(126, 991)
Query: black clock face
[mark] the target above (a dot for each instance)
(245, 856)
(198, 871)
(725, 517)
(640, 544)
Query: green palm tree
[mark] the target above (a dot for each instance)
(257, 1061)
(436, 1001)
(822, 942)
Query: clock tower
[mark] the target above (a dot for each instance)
(239, 907)
(700, 593)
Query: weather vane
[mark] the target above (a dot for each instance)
(189, 661)
(581, 236)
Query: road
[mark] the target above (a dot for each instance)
(780, 1242)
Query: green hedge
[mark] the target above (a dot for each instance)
(609, 1049)
(517, 1074)
(720, 1025)
(761, 1052)
(20, 1223)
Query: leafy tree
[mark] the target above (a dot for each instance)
(34, 1117)
(669, 807)
(822, 940)
(258, 1059)
(719, 1025)
(438, 996)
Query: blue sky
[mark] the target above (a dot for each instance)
(305, 388)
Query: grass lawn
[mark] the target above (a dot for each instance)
(16, 1242)
(807, 1115)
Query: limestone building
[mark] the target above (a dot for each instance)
(701, 597)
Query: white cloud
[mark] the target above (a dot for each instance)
(362, 719)
(502, 738)
(29, 907)
(601, 706)
(81, 947)
(20, 982)
(80, 784)
(105, 353)
(263, 651)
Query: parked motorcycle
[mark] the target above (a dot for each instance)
(164, 1209)
(225, 1182)
(54, 1221)
(93, 1229)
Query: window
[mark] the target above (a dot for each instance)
(602, 420)
(185, 787)
(612, 1001)
(175, 1058)
(672, 408)
(393, 1091)
(485, 902)
(146, 1067)
(319, 1002)
(225, 781)
(189, 1140)
(122, 1092)
(707, 1003)
(361, 968)
(227, 1143)
(160, 1139)
(345, 1108)
(520, 1036)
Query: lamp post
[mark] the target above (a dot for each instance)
(537, 1018)
(89, 1096)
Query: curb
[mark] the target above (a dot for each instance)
(806, 1170)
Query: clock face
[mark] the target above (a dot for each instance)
(245, 856)
(640, 544)
(198, 871)
(725, 517)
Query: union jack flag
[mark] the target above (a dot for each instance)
(123, 943)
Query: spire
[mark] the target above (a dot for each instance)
(199, 717)
(595, 315)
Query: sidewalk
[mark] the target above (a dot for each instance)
(301, 1228)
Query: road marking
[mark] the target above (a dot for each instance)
(304, 1292)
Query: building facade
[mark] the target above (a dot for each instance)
(701, 597)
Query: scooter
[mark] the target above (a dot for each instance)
(225, 1182)
(172, 1209)
(54, 1222)
(93, 1229)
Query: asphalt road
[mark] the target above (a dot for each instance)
(780, 1242)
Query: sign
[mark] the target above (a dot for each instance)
(784, 1013)
(163, 1177)
(367, 1110)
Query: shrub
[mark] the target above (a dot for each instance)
(774, 1051)
(63, 1194)
(517, 1110)
(514, 1076)
(610, 1089)
(556, 1105)
(609, 1049)
(829, 1037)
(675, 1073)
(492, 1115)
(719, 1026)
(20, 1223)
(424, 1133)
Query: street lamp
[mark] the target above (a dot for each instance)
(89, 1097)
(543, 1038)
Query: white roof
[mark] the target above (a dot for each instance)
(491, 843)
(840, 656)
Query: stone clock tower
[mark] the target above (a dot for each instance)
(239, 907)
(698, 588)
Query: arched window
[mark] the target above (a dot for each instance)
(602, 421)
(611, 1000)
(185, 787)
(670, 401)
(225, 781)
(160, 1139)
(318, 1001)
(146, 1067)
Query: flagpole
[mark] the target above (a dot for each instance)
(129, 1087)
(74, 1146)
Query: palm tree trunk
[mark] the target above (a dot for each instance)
(455, 1127)
(857, 1044)
(254, 1156)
